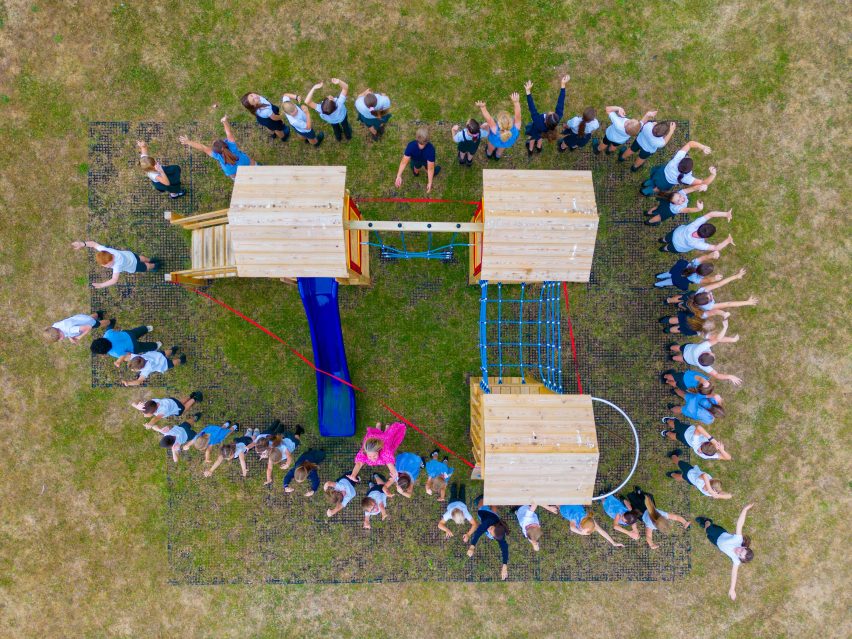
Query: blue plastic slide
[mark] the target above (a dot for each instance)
(335, 401)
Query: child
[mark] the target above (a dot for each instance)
(75, 327)
(177, 436)
(705, 301)
(700, 355)
(236, 449)
(530, 524)
(408, 467)
(157, 409)
(119, 261)
(494, 528)
(543, 124)
(690, 381)
(419, 153)
(267, 115)
(467, 141)
(684, 273)
(677, 171)
(211, 436)
(333, 110)
(621, 129)
(151, 362)
(696, 437)
(458, 512)
(165, 179)
(652, 137)
(299, 118)
(705, 484)
(123, 344)
(225, 152)
(305, 468)
(737, 546)
(672, 203)
(379, 448)
(701, 408)
(279, 445)
(581, 522)
(693, 236)
(622, 514)
(437, 474)
(339, 493)
(655, 519)
(375, 501)
(578, 130)
(502, 133)
(373, 111)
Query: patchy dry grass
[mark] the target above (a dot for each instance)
(766, 85)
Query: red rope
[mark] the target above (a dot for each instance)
(427, 200)
(319, 370)
(571, 335)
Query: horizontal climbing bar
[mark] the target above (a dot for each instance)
(414, 227)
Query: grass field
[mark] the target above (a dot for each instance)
(763, 83)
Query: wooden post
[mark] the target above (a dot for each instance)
(175, 278)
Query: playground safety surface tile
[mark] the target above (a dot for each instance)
(230, 529)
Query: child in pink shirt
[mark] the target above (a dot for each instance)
(379, 448)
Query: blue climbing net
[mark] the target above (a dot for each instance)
(412, 248)
(521, 335)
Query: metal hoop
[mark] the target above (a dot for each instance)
(635, 457)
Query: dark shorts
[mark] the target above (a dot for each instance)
(272, 125)
(190, 434)
(532, 132)
(658, 179)
(180, 405)
(373, 122)
(609, 142)
(714, 531)
(679, 430)
(172, 172)
(469, 146)
(683, 323)
(574, 141)
(684, 467)
(140, 265)
(310, 135)
(243, 440)
(169, 363)
(664, 209)
(638, 149)
(678, 380)
(668, 238)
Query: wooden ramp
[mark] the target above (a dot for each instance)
(212, 250)
(533, 445)
(538, 226)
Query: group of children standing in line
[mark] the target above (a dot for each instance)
(697, 314)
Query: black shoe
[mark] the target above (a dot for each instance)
(197, 416)
(375, 136)
(111, 323)
(537, 149)
(299, 430)
(595, 148)
(100, 315)
(529, 150)
(676, 451)
(197, 396)
(635, 169)
(286, 136)
(470, 162)
(672, 473)
(462, 161)
(437, 171)
(446, 460)
(182, 358)
(559, 147)
(175, 196)
(320, 138)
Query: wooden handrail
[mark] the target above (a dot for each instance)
(414, 227)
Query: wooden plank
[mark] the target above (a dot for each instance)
(294, 270)
(197, 248)
(415, 227)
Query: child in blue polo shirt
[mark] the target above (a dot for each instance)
(123, 344)
(225, 152)
(333, 110)
(419, 153)
(300, 119)
(437, 474)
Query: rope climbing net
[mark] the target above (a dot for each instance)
(521, 335)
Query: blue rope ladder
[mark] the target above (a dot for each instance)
(405, 251)
(535, 328)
